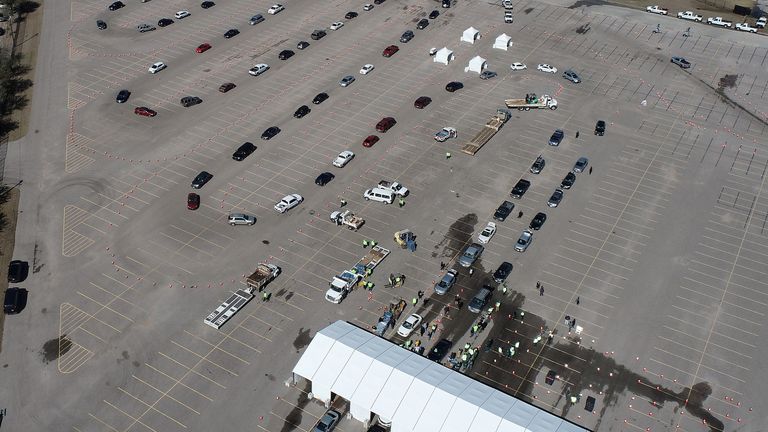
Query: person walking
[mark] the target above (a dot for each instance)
(420, 294)
(447, 155)
(538, 284)
(590, 170)
(343, 202)
(264, 296)
(457, 299)
(520, 214)
(578, 300)
(577, 134)
(414, 301)
(541, 291)
(442, 265)
(401, 203)
(365, 244)
(423, 329)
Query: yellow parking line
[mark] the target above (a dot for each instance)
(93, 317)
(193, 371)
(177, 381)
(105, 306)
(229, 336)
(135, 420)
(254, 333)
(114, 295)
(203, 358)
(162, 395)
(218, 348)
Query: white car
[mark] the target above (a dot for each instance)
(518, 66)
(367, 7)
(343, 158)
(746, 27)
(524, 241)
(761, 22)
(546, 68)
(337, 25)
(690, 16)
(445, 133)
(487, 233)
(275, 9)
(258, 69)
(182, 14)
(157, 67)
(719, 21)
(411, 323)
(365, 69)
(288, 202)
(657, 10)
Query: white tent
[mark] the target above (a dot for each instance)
(470, 35)
(444, 56)
(503, 42)
(477, 64)
(417, 394)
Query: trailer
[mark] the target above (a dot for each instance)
(489, 130)
(369, 262)
(348, 219)
(531, 101)
(264, 274)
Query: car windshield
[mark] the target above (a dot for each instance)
(407, 325)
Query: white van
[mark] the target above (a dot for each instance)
(380, 195)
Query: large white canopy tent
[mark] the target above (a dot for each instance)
(503, 42)
(444, 56)
(470, 35)
(418, 395)
(476, 64)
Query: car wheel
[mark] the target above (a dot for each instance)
(367, 199)
(231, 224)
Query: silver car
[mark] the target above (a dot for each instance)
(471, 254)
(446, 283)
(328, 422)
(347, 80)
(580, 164)
(556, 197)
(241, 219)
(524, 241)
(571, 76)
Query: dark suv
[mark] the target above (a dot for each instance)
(17, 271)
(317, 34)
(243, 151)
(201, 179)
(423, 23)
(301, 111)
(520, 188)
(600, 128)
(504, 210)
(188, 101)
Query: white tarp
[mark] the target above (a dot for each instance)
(397, 386)
(477, 64)
(470, 35)
(503, 42)
(444, 56)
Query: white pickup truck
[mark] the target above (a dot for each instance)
(690, 16)
(719, 21)
(394, 187)
(761, 22)
(746, 27)
(341, 285)
(657, 10)
(445, 133)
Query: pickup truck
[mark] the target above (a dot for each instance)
(341, 285)
(690, 16)
(395, 187)
(657, 10)
(719, 21)
(264, 274)
(761, 22)
(445, 133)
(746, 27)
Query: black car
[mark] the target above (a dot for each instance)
(557, 137)
(600, 128)
(538, 221)
(423, 23)
(231, 33)
(188, 101)
(538, 165)
(350, 15)
(243, 151)
(440, 350)
(201, 179)
(446, 3)
(407, 36)
(301, 45)
(164, 22)
(550, 379)
(501, 273)
(378, 2)
(302, 111)
(324, 178)
(122, 96)
(317, 34)
(453, 86)
(14, 300)
(568, 181)
(320, 98)
(520, 188)
(285, 54)
(116, 5)
(270, 132)
(207, 4)
(434, 14)
(17, 271)
(504, 210)
(101, 25)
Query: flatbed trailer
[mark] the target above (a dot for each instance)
(264, 274)
(375, 256)
(531, 101)
(487, 132)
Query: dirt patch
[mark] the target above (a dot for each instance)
(10, 209)
(29, 39)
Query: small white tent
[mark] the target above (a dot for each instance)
(477, 64)
(503, 42)
(470, 35)
(444, 56)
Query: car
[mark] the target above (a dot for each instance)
(538, 221)
(600, 128)
(571, 76)
(550, 379)
(538, 165)
(350, 15)
(690, 16)
(446, 3)
(568, 181)
(122, 96)
(520, 188)
(434, 14)
(193, 201)
(201, 179)
(432, 51)
(270, 132)
(116, 5)
(657, 10)
(422, 24)
(370, 140)
(101, 25)
(508, 18)
(346, 81)
(719, 21)
(580, 165)
(14, 300)
(343, 158)
(320, 98)
(317, 34)
(546, 68)
(327, 422)
(143, 28)
(378, 2)
(256, 19)
(471, 254)
(367, 7)
(285, 54)
(746, 27)
(453, 86)
(157, 67)
(422, 102)
(487, 233)
(17, 271)
(761, 22)
(226, 87)
(406, 36)
(507, 4)
(324, 178)
(336, 25)
(207, 4)
(275, 9)
(487, 75)
(144, 111)
(518, 66)
(301, 111)
(242, 152)
(390, 50)
(240, 219)
(446, 283)
(440, 350)
(556, 198)
(229, 34)
(164, 22)
(302, 44)
(409, 325)
(443, 134)
(503, 210)
(556, 138)
(502, 272)
(188, 101)
(526, 237)
(182, 14)
(258, 69)
(288, 202)
(683, 63)
(366, 69)
(203, 47)
(385, 124)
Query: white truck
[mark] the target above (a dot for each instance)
(263, 275)
(341, 285)
(348, 219)
(394, 187)
(746, 27)
(445, 133)
(719, 21)
(761, 22)
(657, 10)
(531, 101)
(690, 16)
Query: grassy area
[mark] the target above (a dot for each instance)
(10, 209)
(29, 38)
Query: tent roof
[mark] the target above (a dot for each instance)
(415, 393)
(471, 31)
(503, 37)
(477, 60)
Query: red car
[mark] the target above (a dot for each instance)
(422, 102)
(390, 50)
(385, 124)
(203, 48)
(370, 141)
(193, 201)
(144, 111)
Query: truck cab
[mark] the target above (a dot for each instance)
(394, 187)
(341, 285)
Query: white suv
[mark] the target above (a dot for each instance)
(241, 219)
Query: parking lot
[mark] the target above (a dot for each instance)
(648, 275)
